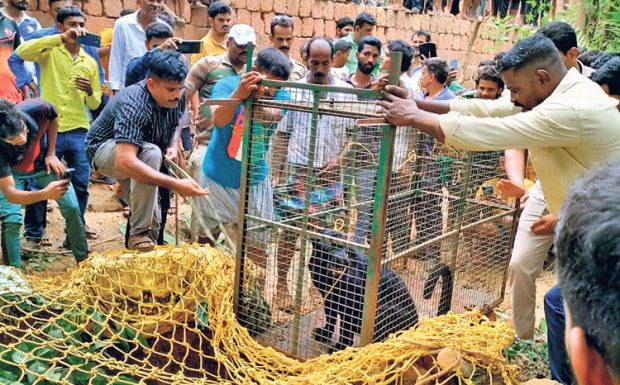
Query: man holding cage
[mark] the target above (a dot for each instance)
(566, 121)
(221, 169)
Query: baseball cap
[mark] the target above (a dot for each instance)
(242, 34)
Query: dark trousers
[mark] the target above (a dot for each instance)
(558, 357)
(71, 147)
(164, 204)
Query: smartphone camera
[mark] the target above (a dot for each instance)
(68, 174)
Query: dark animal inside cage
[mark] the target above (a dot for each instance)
(440, 270)
(339, 274)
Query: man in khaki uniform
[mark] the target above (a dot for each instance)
(565, 120)
(281, 37)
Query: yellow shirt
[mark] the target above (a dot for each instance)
(106, 41)
(58, 73)
(209, 47)
(574, 129)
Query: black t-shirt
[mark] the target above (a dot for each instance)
(29, 157)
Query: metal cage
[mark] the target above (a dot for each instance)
(359, 227)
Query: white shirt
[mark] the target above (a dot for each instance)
(128, 42)
(331, 132)
(404, 134)
(576, 128)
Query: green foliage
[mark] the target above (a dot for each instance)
(39, 362)
(503, 31)
(601, 24)
(531, 355)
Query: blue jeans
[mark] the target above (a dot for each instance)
(11, 218)
(556, 347)
(70, 147)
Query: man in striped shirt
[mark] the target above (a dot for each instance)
(130, 137)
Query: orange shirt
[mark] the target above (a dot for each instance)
(9, 41)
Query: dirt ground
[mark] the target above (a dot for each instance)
(105, 215)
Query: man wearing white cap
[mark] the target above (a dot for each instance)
(199, 84)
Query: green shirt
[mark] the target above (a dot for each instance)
(352, 63)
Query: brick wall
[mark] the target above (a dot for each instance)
(316, 17)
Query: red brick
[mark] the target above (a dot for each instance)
(112, 8)
(131, 4)
(292, 6)
(262, 41)
(400, 20)
(455, 42)
(317, 8)
(238, 4)
(257, 22)
(266, 5)
(298, 26)
(408, 22)
(478, 45)
(426, 22)
(305, 8)
(193, 33)
(279, 6)
(450, 25)
(463, 40)
(381, 17)
(267, 17)
(200, 16)
(391, 18)
(294, 52)
(319, 27)
(445, 26)
(93, 8)
(380, 33)
(328, 10)
(253, 5)
(368, 9)
(340, 11)
(307, 27)
(243, 17)
(463, 28)
(351, 10)
(330, 28)
(391, 34)
(97, 24)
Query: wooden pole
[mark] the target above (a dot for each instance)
(470, 45)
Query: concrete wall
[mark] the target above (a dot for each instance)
(317, 17)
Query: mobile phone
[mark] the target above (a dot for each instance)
(189, 46)
(428, 50)
(454, 65)
(89, 39)
(68, 174)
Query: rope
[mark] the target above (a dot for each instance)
(166, 316)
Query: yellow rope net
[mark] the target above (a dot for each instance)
(166, 317)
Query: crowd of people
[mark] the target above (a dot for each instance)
(70, 113)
